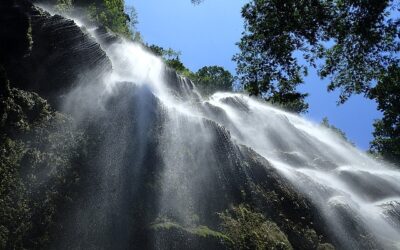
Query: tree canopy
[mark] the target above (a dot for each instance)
(211, 79)
(208, 79)
(325, 123)
(387, 130)
(112, 14)
(353, 43)
(349, 41)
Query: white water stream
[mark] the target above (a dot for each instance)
(350, 188)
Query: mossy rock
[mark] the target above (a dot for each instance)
(325, 246)
(170, 235)
(251, 230)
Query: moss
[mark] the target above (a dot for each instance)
(200, 231)
(204, 231)
(250, 230)
(200, 236)
(166, 225)
(325, 246)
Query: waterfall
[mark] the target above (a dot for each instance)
(153, 120)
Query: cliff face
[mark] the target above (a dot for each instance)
(40, 60)
(96, 183)
(46, 54)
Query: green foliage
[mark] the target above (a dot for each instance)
(354, 43)
(176, 64)
(251, 230)
(194, 234)
(355, 40)
(200, 231)
(37, 151)
(290, 101)
(132, 20)
(208, 79)
(63, 6)
(204, 231)
(137, 37)
(211, 79)
(339, 132)
(111, 14)
(325, 246)
(365, 43)
(171, 59)
(387, 130)
(266, 65)
(166, 54)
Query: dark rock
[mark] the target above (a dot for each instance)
(47, 54)
(378, 188)
(105, 36)
(392, 213)
(15, 39)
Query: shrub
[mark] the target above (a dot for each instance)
(251, 230)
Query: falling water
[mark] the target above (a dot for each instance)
(349, 187)
(158, 116)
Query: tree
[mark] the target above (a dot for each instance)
(171, 59)
(354, 39)
(325, 123)
(63, 6)
(251, 230)
(132, 19)
(166, 54)
(208, 79)
(111, 14)
(211, 79)
(387, 130)
(352, 42)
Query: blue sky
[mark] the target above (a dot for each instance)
(206, 34)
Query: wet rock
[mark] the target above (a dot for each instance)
(391, 212)
(106, 37)
(51, 55)
(15, 35)
(378, 187)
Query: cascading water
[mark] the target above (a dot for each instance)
(349, 187)
(155, 121)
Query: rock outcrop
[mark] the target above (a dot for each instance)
(47, 54)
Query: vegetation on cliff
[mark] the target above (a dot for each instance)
(250, 230)
(37, 167)
(208, 79)
(112, 14)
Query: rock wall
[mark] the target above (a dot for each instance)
(47, 54)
